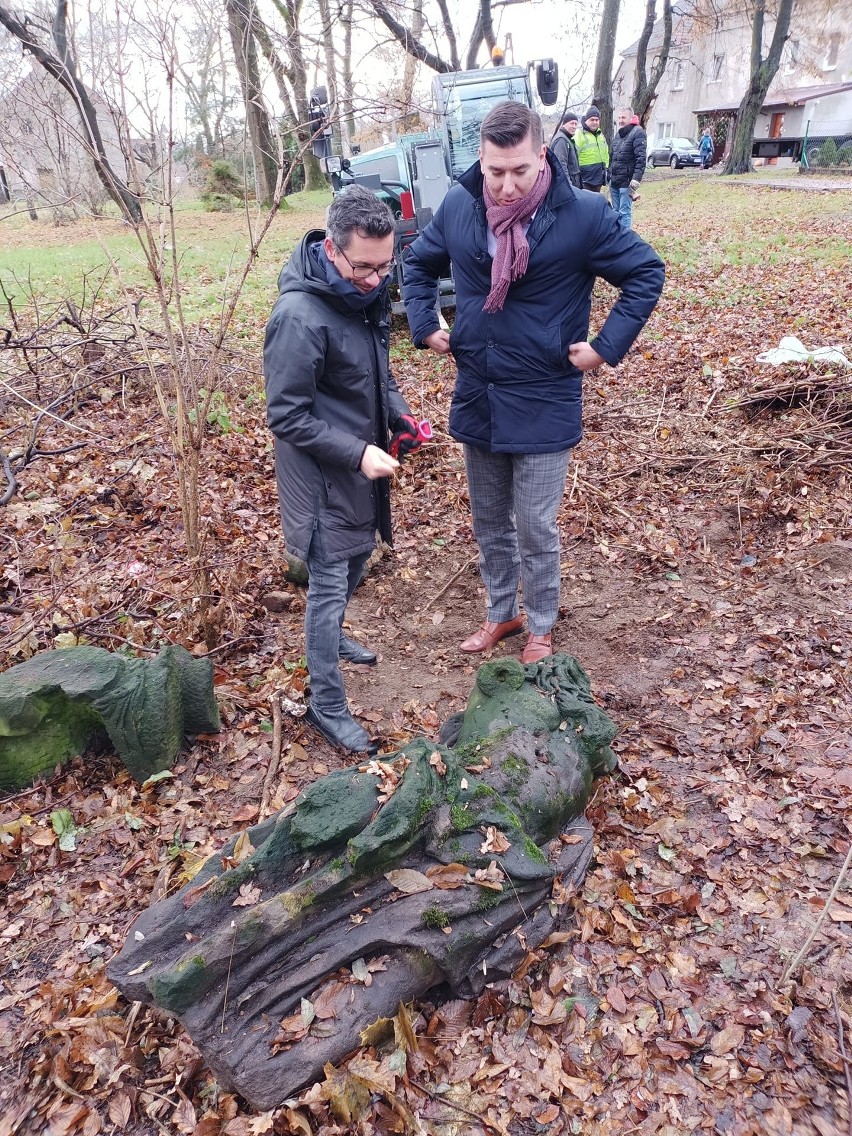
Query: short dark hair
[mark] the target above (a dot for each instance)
(357, 209)
(509, 123)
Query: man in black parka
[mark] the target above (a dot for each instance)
(331, 405)
(564, 148)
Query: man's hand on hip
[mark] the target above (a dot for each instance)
(376, 463)
(584, 357)
(438, 341)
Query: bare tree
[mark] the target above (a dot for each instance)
(59, 61)
(602, 85)
(240, 17)
(413, 37)
(407, 92)
(645, 84)
(206, 80)
(347, 93)
(762, 71)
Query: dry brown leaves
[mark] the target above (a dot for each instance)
(707, 568)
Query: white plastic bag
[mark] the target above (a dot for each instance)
(792, 350)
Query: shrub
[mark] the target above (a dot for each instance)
(828, 153)
(844, 155)
(221, 184)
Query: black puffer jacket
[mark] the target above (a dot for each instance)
(629, 151)
(329, 393)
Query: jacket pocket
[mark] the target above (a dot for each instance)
(350, 500)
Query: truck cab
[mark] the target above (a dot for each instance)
(414, 174)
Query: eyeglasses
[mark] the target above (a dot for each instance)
(365, 271)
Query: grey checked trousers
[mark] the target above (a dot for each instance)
(514, 499)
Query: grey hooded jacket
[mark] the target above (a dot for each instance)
(329, 393)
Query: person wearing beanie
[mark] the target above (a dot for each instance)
(564, 148)
(592, 152)
(629, 151)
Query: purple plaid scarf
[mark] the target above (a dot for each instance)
(507, 224)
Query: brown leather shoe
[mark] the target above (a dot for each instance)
(490, 634)
(537, 647)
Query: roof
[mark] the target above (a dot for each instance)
(679, 9)
(780, 98)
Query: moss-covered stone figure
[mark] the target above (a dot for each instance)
(56, 704)
(379, 882)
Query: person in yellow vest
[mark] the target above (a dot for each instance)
(592, 151)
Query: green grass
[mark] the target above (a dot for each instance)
(741, 222)
(700, 225)
(51, 261)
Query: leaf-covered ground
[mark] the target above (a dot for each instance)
(704, 983)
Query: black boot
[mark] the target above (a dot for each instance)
(341, 729)
(354, 653)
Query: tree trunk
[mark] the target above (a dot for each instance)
(603, 66)
(289, 11)
(331, 75)
(645, 86)
(63, 68)
(410, 73)
(260, 132)
(763, 71)
(348, 99)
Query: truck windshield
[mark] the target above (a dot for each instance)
(466, 106)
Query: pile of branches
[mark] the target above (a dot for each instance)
(54, 362)
(805, 418)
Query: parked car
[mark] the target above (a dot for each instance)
(674, 152)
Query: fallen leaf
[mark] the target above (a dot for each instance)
(447, 877)
(330, 999)
(118, 1109)
(495, 841)
(438, 763)
(408, 881)
(616, 999)
(249, 894)
(727, 1040)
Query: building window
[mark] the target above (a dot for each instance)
(793, 55)
(832, 52)
(665, 130)
(677, 78)
(716, 68)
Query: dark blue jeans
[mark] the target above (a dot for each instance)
(330, 587)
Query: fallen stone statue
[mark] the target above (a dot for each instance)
(56, 704)
(432, 865)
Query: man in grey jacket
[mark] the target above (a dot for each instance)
(564, 148)
(332, 405)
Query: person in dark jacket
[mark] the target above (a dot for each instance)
(592, 152)
(627, 164)
(525, 247)
(331, 402)
(564, 148)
